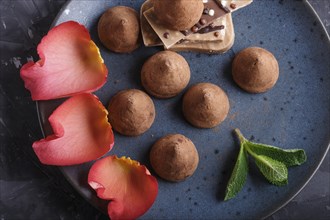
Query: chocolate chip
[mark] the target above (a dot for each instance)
(166, 35)
(202, 21)
(232, 5)
(194, 29)
(181, 41)
(216, 34)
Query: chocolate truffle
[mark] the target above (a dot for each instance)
(174, 157)
(205, 105)
(178, 14)
(255, 69)
(131, 112)
(165, 74)
(119, 29)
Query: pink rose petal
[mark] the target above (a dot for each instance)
(81, 132)
(70, 63)
(128, 185)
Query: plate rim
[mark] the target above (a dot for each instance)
(310, 7)
(272, 211)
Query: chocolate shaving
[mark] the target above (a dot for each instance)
(181, 41)
(222, 7)
(185, 32)
(210, 28)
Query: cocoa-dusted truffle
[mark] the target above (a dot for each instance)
(165, 74)
(119, 29)
(174, 157)
(205, 105)
(178, 14)
(131, 112)
(255, 69)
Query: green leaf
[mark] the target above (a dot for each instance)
(290, 157)
(238, 176)
(275, 172)
(271, 161)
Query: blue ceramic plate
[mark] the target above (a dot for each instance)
(294, 114)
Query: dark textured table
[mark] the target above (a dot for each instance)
(29, 190)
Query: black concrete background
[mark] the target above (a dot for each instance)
(29, 190)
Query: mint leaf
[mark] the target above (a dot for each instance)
(271, 161)
(238, 176)
(291, 157)
(275, 172)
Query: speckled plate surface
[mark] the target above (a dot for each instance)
(294, 114)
